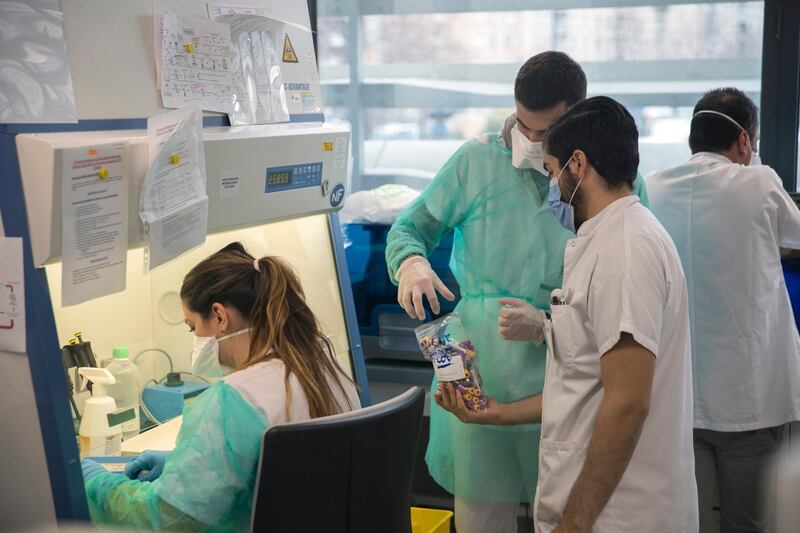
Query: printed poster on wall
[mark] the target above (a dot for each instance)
(12, 295)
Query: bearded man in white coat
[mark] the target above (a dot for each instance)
(616, 446)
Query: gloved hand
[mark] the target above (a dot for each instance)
(416, 278)
(90, 469)
(146, 467)
(520, 321)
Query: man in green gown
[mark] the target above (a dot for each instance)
(508, 256)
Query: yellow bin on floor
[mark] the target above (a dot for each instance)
(430, 520)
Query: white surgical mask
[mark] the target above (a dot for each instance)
(205, 356)
(526, 153)
(754, 158)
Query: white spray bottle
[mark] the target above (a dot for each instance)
(97, 437)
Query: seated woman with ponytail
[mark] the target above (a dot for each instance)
(254, 330)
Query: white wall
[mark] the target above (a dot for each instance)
(25, 496)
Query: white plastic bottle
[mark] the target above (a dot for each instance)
(126, 390)
(96, 436)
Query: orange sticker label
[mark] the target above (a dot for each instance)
(327, 147)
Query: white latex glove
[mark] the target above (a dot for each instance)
(416, 278)
(520, 321)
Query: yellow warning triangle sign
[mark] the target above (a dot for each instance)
(288, 51)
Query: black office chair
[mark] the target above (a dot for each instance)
(348, 473)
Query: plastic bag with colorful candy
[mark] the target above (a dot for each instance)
(445, 343)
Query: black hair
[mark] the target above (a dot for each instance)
(713, 133)
(607, 134)
(547, 79)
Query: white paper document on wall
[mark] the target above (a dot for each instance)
(94, 226)
(160, 128)
(195, 63)
(174, 205)
(12, 295)
(177, 233)
(216, 9)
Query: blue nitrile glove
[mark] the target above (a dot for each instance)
(146, 467)
(90, 469)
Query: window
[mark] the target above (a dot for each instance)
(415, 79)
(780, 113)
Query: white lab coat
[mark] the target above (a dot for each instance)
(621, 274)
(728, 222)
(263, 386)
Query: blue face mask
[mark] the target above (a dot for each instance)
(564, 212)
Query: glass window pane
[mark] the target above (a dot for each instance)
(332, 40)
(427, 81)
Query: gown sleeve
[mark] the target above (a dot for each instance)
(208, 479)
(434, 213)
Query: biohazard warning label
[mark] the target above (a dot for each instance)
(289, 55)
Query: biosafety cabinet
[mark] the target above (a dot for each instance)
(290, 181)
(290, 184)
(289, 178)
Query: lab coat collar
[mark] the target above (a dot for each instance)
(607, 214)
(709, 157)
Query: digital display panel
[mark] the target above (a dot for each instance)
(293, 177)
(279, 178)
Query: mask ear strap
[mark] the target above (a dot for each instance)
(234, 334)
(726, 117)
(574, 192)
(723, 115)
(561, 172)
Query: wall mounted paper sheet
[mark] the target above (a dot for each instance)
(195, 63)
(173, 206)
(12, 295)
(216, 9)
(94, 229)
